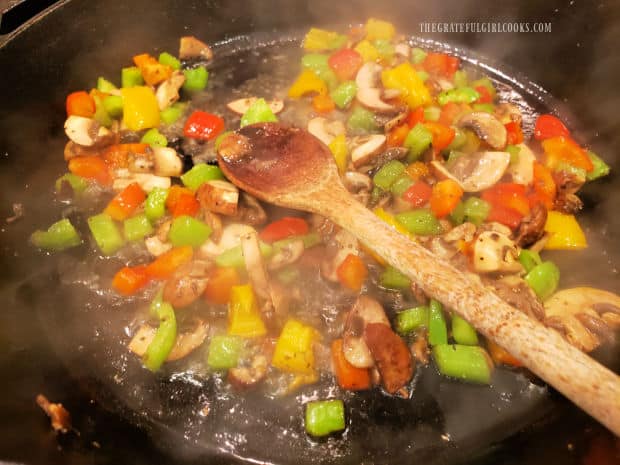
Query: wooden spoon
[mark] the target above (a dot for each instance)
(290, 167)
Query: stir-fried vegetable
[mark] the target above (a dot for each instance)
(418, 137)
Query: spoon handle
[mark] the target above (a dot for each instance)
(587, 383)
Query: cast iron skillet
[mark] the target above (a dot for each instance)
(135, 419)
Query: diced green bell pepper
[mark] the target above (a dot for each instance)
(420, 222)
(457, 216)
(113, 104)
(131, 77)
(385, 48)
(224, 352)
(59, 236)
(514, 151)
(400, 186)
(362, 121)
(258, 112)
(460, 138)
(186, 230)
(172, 114)
(154, 138)
(458, 95)
(166, 58)
(77, 183)
(195, 79)
(163, 342)
(417, 141)
(600, 167)
(529, 259)
(412, 319)
(324, 417)
(344, 94)
(484, 82)
(467, 363)
(463, 332)
(543, 279)
(391, 278)
(484, 107)
(200, 174)
(103, 85)
(388, 174)
(316, 62)
(437, 329)
(432, 113)
(476, 210)
(460, 78)
(106, 233)
(417, 55)
(155, 204)
(137, 227)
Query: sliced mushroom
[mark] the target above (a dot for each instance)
(370, 97)
(360, 185)
(214, 222)
(366, 148)
(403, 49)
(167, 162)
(87, 132)
(486, 126)
(476, 171)
(241, 105)
(190, 47)
(515, 291)
(250, 211)
(325, 130)
(187, 283)
(289, 253)
(522, 170)
(168, 91)
(396, 121)
(73, 150)
(247, 376)
(464, 232)
(156, 246)
(495, 252)
(508, 112)
(147, 181)
(184, 344)
(255, 268)
(368, 76)
(419, 348)
(219, 196)
(391, 355)
(581, 314)
(231, 237)
(366, 310)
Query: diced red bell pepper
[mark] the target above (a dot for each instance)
(283, 228)
(345, 63)
(166, 264)
(485, 95)
(506, 216)
(126, 202)
(418, 194)
(564, 149)
(220, 284)
(543, 185)
(348, 376)
(415, 116)
(352, 272)
(80, 104)
(442, 135)
(186, 204)
(129, 280)
(117, 155)
(396, 137)
(450, 111)
(445, 197)
(203, 126)
(509, 203)
(514, 134)
(440, 64)
(91, 167)
(549, 126)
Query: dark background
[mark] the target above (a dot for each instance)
(578, 63)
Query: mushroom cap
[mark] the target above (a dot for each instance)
(476, 171)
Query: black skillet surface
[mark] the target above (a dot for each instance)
(66, 50)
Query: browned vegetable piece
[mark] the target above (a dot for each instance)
(366, 310)
(532, 227)
(191, 47)
(219, 197)
(515, 291)
(187, 284)
(59, 416)
(391, 355)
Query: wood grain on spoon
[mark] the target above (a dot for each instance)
(290, 167)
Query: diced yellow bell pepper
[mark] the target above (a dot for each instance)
(244, 318)
(294, 349)
(307, 82)
(339, 149)
(317, 40)
(378, 29)
(405, 79)
(564, 232)
(367, 50)
(300, 380)
(140, 109)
